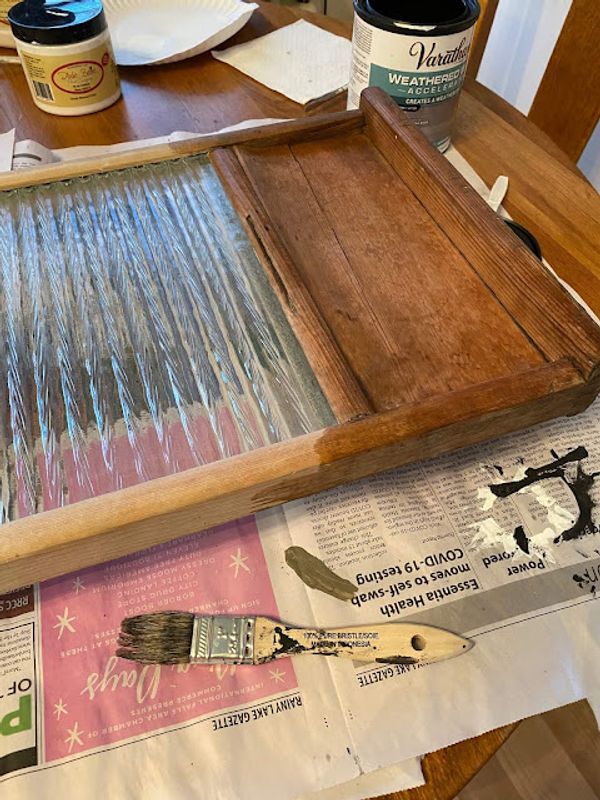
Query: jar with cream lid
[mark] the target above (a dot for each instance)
(66, 54)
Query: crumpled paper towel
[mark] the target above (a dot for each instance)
(301, 61)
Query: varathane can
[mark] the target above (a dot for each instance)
(416, 51)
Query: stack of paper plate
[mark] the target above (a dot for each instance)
(160, 31)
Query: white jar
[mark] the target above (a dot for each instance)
(66, 54)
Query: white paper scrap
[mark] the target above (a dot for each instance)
(28, 153)
(397, 778)
(301, 61)
(7, 143)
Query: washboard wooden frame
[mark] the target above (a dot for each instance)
(324, 201)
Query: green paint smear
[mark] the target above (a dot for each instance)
(314, 573)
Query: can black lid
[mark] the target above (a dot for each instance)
(419, 17)
(55, 22)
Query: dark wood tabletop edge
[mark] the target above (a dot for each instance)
(448, 771)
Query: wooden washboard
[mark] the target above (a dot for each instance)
(305, 305)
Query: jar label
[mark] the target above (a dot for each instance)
(79, 80)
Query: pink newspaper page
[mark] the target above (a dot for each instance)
(215, 572)
(65, 696)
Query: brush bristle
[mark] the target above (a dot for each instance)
(161, 638)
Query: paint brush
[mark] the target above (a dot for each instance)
(179, 637)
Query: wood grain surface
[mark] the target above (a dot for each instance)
(552, 755)
(93, 531)
(567, 103)
(339, 383)
(517, 121)
(482, 32)
(204, 95)
(448, 771)
(515, 277)
(559, 207)
(393, 283)
(306, 129)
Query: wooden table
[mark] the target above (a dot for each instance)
(546, 194)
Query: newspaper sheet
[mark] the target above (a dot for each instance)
(431, 542)
(71, 711)
(517, 571)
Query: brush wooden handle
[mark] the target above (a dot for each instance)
(391, 643)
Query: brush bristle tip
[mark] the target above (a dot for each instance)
(164, 637)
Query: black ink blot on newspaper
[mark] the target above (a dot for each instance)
(580, 485)
(521, 539)
(590, 577)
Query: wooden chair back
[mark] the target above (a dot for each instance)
(567, 103)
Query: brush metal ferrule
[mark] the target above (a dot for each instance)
(222, 640)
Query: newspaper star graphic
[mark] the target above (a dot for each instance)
(238, 561)
(74, 736)
(78, 585)
(64, 621)
(277, 675)
(60, 708)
